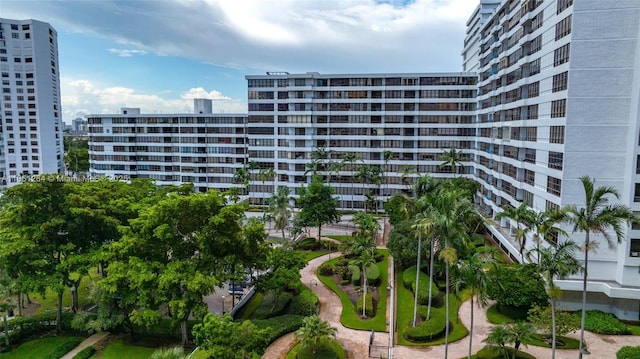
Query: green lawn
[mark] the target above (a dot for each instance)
(50, 299)
(349, 318)
(329, 350)
(404, 316)
(41, 348)
(495, 317)
(118, 350)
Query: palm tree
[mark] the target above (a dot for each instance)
(471, 274)
(243, 177)
(556, 262)
(387, 156)
(452, 158)
(280, 208)
(351, 158)
(364, 260)
(520, 214)
(545, 223)
(597, 216)
(516, 334)
(314, 331)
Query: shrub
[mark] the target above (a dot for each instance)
(355, 275)
(326, 269)
(369, 305)
(604, 323)
(85, 353)
(303, 303)
(516, 313)
(272, 306)
(373, 275)
(628, 353)
(308, 244)
(279, 326)
(490, 352)
(409, 281)
(429, 329)
(64, 348)
(21, 328)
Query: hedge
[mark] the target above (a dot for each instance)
(628, 353)
(21, 328)
(368, 310)
(272, 306)
(279, 326)
(429, 329)
(355, 275)
(85, 353)
(64, 348)
(604, 323)
(490, 352)
(303, 303)
(373, 275)
(409, 281)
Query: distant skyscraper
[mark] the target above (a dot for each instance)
(31, 137)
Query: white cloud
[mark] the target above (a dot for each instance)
(126, 53)
(82, 97)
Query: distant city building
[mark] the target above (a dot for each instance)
(31, 138)
(79, 127)
(206, 149)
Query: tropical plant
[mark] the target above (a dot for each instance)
(317, 205)
(520, 214)
(597, 216)
(556, 262)
(517, 333)
(314, 332)
(280, 208)
(168, 353)
(351, 158)
(453, 159)
(365, 259)
(545, 223)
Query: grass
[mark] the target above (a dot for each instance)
(569, 343)
(309, 255)
(40, 348)
(349, 318)
(118, 350)
(404, 312)
(332, 350)
(250, 307)
(495, 317)
(635, 329)
(50, 299)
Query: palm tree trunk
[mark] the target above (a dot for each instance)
(364, 295)
(183, 331)
(415, 296)
(446, 326)
(59, 313)
(20, 302)
(584, 294)
(471, 330)
(430, 277)
(553, 328)
(6, 330)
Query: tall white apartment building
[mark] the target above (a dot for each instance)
(204, 149)
(559, 98)
(414, 116)
(31, 129)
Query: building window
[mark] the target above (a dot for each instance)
(561, 55)
(563, 28)
(535, 45)
(534, 89)
(563, 4)
(556, 134)
(634, 247)
(554, 185)
(534, 67)
(558, 108)
(532, 112)
(555, 160)
(560, 81)
(636, 194)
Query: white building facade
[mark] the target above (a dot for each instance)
(559, 90)
(31, 138)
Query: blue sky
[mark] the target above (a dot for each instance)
(158, 55)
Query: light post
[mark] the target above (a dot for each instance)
(74, 303)
(223, 303)
(312, 283)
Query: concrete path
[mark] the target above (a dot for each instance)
(355, 341)
(85, 344)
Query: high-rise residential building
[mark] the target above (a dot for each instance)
(31, 136)
(355, 119)
(205, 149)
(559, 98)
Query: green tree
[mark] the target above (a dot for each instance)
(517, 285)
(472, 275)
(77, 160)
(285, 264)
(280, 208)
(544, 224)
(314, 332)
(387, 156)
(222, 337)
(351, 158)
(6, 302)
(452, 159)
(597, 216)
(364, 260)
(520, 214)
(317, 205)
(553, 325)
(242, 176)
(556, 262)
(517, 333)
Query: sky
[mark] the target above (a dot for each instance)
(158, 55)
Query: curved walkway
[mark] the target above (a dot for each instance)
(355, 341)
(85, 344)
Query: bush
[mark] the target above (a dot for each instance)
(373, 275)
(489, 352)
(303, 303)
(85, 353)
(515, 313)
(604, 323)
(409, 281)
(355, 275)
(63, 349)
(429, 329)
(308, 244)
(628, 353)
(279, 326)
(272, 306)
(369, 305)
(326, 269)
(21, 328)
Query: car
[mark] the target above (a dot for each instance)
(236, 289)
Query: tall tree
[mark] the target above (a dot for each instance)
(317, 205)
(351, 158)
(453, 159)
(314, 332)
(280, 208)
(387, 155)
(597, 216)
(556, 262)
(545, 223)
(222, 337)
(521, 215)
